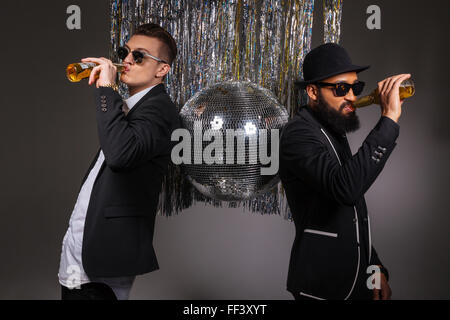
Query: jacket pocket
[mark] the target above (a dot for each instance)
(324, 267)
(123, 211)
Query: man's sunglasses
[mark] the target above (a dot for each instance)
(342, 88)
(138, 56)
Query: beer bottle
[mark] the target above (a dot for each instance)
(406, 89)
(77, 71)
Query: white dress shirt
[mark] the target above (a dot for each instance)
(71, 273)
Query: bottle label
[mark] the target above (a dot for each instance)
(87, 65)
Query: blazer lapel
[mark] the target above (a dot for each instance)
(90, 168)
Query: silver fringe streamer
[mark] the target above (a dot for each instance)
(263, 41)
(332, 14)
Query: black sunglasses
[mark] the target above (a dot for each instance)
(138, 56)
(342, 88)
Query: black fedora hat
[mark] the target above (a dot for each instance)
(325, 61)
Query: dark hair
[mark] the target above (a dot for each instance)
(169, 49)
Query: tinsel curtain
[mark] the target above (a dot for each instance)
(262, 41)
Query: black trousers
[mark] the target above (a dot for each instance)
(88, 291)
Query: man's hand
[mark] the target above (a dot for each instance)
(385, 292)
(103, 74)
(391, 105)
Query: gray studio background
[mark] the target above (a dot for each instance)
(48, 137)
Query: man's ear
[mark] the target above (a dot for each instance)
(312, 91)
(163, 70)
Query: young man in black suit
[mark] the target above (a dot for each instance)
(325, 184)
(110, 234)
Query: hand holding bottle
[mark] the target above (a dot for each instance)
(105, 70)
(389, 92)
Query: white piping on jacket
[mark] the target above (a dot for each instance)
(310, 296)
(323, 233)
(332, 146)
(370, 238)
(356, 223)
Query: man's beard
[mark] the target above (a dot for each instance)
(336, 120)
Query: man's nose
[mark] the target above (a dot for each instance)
(129, 58)
(350, 96)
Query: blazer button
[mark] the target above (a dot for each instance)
(378, 154)
(104, 105)
(103, 97)
(104, 109)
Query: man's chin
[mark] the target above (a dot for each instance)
(352, 123)
(350, 114)
(124, 78)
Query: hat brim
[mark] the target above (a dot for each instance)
(302, 84)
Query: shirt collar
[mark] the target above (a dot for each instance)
(131, 101)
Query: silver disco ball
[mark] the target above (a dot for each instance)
(225, 123)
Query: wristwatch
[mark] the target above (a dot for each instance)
(114, 86)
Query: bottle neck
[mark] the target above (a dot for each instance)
(366, 100)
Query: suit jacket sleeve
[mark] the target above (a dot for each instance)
(303, 146)
(127, 143)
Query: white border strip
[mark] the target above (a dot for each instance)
(323, 233)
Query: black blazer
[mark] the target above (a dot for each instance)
(118, 231)
(325, 187)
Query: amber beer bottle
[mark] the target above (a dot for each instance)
(407, 90)
(77, 71)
